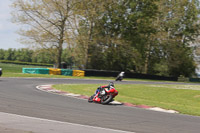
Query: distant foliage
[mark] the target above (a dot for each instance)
(25, 63)
(29, 57)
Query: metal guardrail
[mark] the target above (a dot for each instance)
(106, 73)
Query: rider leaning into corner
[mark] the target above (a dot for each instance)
(97, 94)
(120, 76)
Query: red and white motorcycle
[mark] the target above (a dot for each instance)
(104, 95)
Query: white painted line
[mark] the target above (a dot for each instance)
(40, 125)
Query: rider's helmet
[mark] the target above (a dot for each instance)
(111, 84)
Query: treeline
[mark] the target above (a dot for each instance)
(142, 36)
(32, 56)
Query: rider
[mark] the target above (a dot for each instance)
(120, 76)
(111, 84)
(99, 89)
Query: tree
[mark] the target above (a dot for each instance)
(89, 13)
(42, 56)
(128, 23)
(48, 23)
(2, 52)
(158, 30)
(68, 58)
(23, 54)
(177, 27)
(9, 54)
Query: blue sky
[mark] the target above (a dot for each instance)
(8, 36)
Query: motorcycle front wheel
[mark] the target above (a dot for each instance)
(90, 100)
(106, 99)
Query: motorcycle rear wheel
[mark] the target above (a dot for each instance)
(106, 99)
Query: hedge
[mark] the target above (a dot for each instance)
(25, 63)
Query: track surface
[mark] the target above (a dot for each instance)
(20, 96)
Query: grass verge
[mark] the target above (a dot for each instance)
(182, 98)
(15, 68)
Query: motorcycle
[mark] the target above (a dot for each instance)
(120, 77)
(104, 96)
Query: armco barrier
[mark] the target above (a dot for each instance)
(194, 79)
(54, 71)
(35, 70)
(104, 73)
(66, 72)
(149, 76)
(101, 73)
(78, 73)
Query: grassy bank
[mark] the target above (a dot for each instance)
(14, 68)
(182, 98)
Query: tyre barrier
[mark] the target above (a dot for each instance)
(54, 71)
(35, 70)
(78, 73)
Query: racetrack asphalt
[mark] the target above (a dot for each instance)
(20, 100)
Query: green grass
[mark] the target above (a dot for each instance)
(14, 68)
(182, 98)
